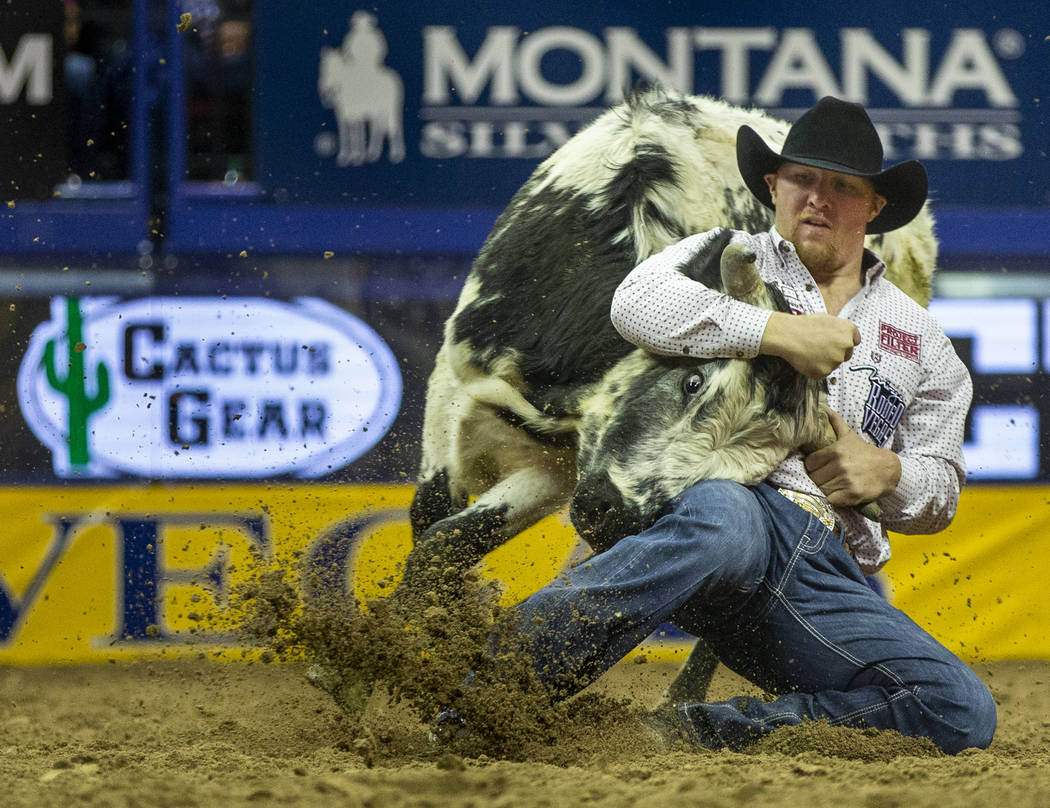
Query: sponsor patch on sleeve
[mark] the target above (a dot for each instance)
(900, 342)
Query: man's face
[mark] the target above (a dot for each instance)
(824, 213)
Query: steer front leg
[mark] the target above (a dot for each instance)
(435, 499)
(451, 546)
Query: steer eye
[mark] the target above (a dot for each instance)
(692, 383)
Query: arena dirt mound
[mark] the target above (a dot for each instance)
(819, 738)
(395, 665)
(194, 731)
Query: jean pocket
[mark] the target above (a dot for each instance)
(814, 537)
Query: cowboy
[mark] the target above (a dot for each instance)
(772, 576)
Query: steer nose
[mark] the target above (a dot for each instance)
(599, 512)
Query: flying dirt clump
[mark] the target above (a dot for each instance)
(395, 666)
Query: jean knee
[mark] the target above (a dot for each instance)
(718, 503)
(968, 707)
(982, 716)
(727, 523)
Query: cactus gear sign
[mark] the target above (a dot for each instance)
(206, 387)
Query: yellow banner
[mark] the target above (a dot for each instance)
(978, 586)
(90, 573)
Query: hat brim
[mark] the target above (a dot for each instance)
(904, 186)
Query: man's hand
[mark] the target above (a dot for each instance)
(851, 471)
(813, 344)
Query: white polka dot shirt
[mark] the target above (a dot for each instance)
(903, 389)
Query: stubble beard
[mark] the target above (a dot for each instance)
(819, 259)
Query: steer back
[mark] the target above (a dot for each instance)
(530, 348)
(534, 311)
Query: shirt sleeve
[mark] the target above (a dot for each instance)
(658, 308)
(928, 441)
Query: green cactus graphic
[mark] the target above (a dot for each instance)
(73, 387)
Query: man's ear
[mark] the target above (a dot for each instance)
(771, 181)
(877, 204)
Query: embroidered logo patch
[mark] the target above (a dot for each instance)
(899, 342)
(884, 408)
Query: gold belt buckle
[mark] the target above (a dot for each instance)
(818, 506)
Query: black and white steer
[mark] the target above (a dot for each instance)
(535, 401)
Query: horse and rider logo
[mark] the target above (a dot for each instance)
(366, 95)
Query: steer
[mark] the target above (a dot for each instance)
(532, 384)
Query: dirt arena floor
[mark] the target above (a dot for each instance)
(203, 733)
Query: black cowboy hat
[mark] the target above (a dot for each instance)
(837, 136)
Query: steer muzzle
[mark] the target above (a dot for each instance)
(600, 514)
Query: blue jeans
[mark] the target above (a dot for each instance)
(780, 601)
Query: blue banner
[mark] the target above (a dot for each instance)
(417, 104)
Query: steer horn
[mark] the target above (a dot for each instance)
(740, 277)
(741, 280)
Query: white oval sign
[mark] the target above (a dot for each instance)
(206, 387)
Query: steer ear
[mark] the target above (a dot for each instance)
(740, 277)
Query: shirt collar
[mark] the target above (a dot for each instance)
(780, 243)
(872, 266)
